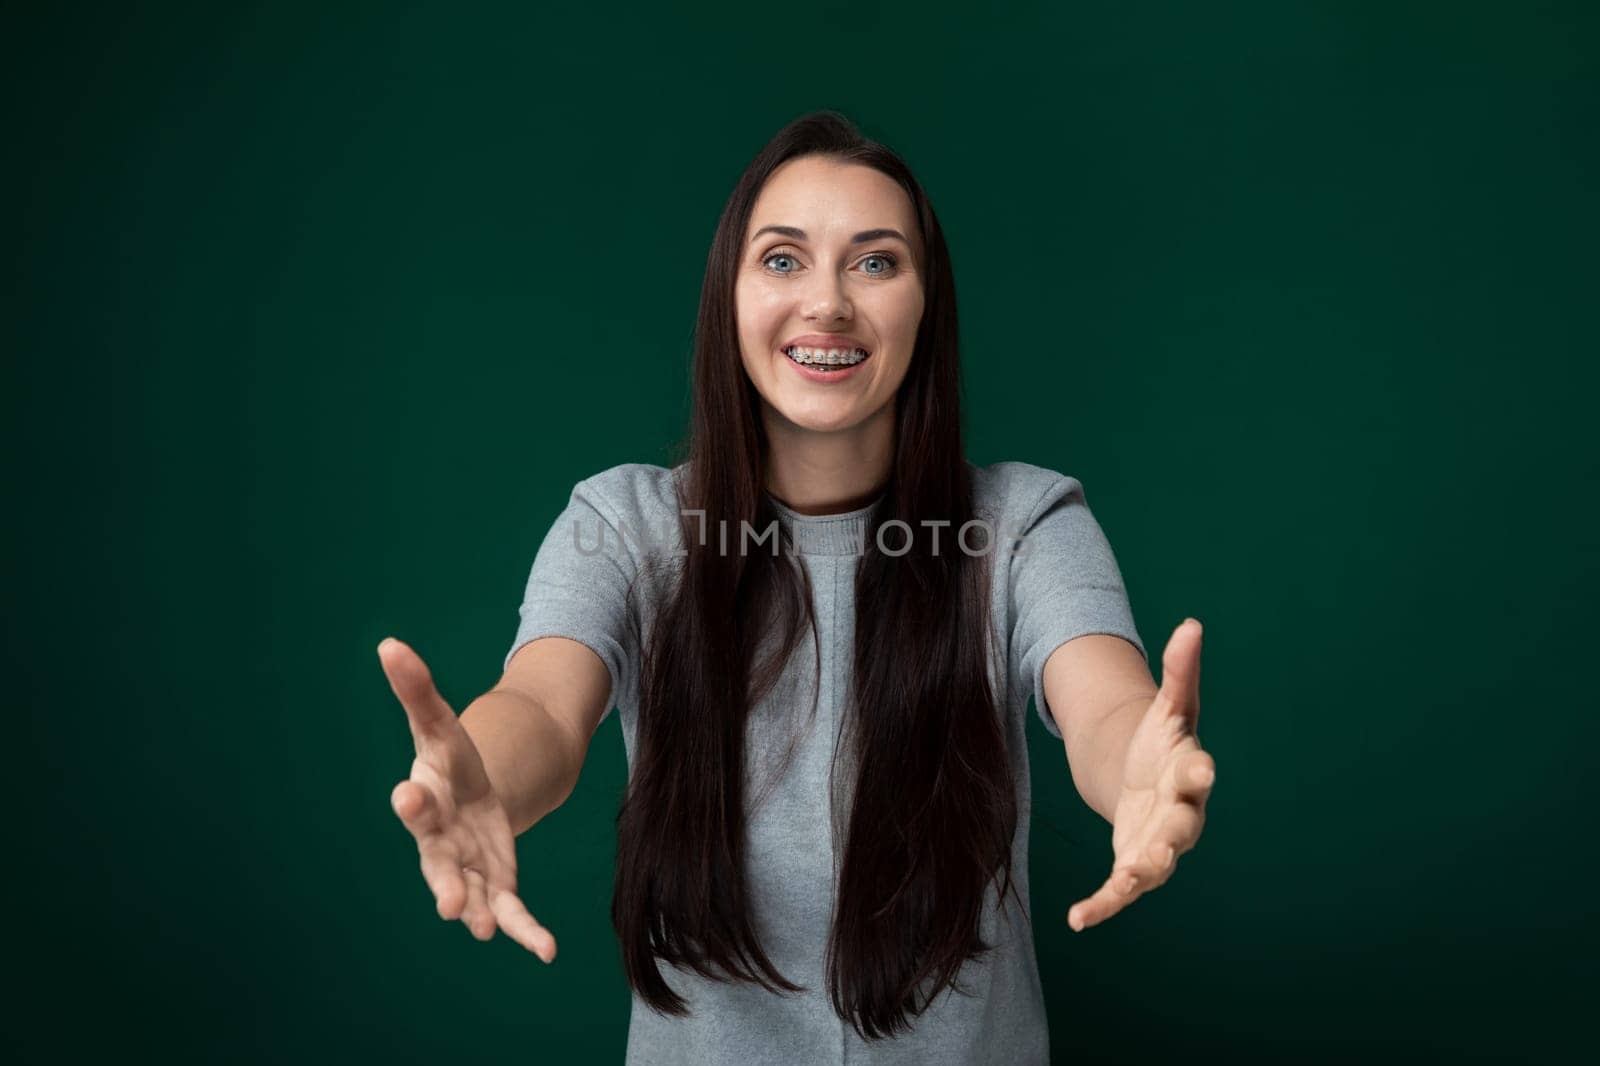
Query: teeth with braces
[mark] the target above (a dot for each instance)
(826, 356)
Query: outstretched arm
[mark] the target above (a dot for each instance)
(481, 778)
(534, 726)
(1134, 755)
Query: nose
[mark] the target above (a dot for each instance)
(826, 300)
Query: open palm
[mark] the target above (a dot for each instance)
(463, 833)
(1166, 779)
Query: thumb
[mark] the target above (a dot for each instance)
(1180, 671)
(426, 711)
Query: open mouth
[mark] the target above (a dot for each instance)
(826, 361)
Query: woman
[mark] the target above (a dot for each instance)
(821, 631)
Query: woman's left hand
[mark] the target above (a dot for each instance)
(1166, 781)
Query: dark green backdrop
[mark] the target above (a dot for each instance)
(318, 311)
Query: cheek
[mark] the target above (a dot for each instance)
(912, 309)
(905, 312)
(758, 314)
(900, 313)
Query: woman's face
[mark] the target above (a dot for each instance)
(841, 273)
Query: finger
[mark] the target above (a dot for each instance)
(441, 864)
(1189, 778)
(441, 868)
(477, 917)
(1180, 671)
(416, 807)
(1180, 831)
(521, 926)
(1121, 888)
(412, 683)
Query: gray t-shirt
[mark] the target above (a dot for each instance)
(1055, 579)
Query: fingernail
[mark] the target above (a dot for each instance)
(385, 640)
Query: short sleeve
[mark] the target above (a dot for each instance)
(1064, 583)
(578, 588)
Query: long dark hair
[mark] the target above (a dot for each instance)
(934, 807)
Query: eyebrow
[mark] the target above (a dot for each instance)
(861, 238)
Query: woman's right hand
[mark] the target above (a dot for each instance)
(463, 834)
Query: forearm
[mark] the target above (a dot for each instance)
(532, 759)
(1097, 754)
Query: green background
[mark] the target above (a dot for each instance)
(317, 312)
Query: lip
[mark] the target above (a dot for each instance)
(825, 340)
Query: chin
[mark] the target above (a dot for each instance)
(824, 420)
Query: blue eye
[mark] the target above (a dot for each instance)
(889, 261)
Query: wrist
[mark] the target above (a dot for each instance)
(1104, 748)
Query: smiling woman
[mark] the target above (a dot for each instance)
(822, 848)
(850, 261)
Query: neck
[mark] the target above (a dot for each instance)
(829, 472)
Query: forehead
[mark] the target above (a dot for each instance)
(827, 198)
